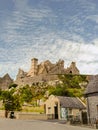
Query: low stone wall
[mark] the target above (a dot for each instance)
(25, 115)
(31, 116)
(2, 113)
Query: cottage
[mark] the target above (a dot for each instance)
(61, 107)
(91, 94)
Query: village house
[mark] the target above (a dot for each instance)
(64, 108)
(91, 95)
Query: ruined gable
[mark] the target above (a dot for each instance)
(72, 69)
(58, 68)
(21, 73)
(44, 67)
(5, 81)
(47, 67)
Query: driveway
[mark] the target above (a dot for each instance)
(14, 124)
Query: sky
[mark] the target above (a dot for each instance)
(48, 30)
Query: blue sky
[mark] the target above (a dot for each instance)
(48, 29)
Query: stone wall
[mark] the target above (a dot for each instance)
(5, 81)
(2, 113)
(31, 116)
(92, 108)
(25, 115)
(43, 72)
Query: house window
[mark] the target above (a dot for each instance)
(70, 111)
(49, 110)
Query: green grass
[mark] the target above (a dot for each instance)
(33, 109)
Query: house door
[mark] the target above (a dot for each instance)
(84, 117)
(56, 112)
(64, 113)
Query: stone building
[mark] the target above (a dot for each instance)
(91, 95)
(43, 72)
(45, 67)
(61, 107)
(5, 81)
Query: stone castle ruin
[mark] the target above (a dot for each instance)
(44, 72)
(5, 81)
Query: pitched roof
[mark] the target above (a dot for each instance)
(71, 102)
(92, 87)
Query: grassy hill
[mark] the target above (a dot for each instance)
(16, 96)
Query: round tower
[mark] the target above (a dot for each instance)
(34, 67)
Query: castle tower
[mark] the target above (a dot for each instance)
(72, 69)
(34, 67)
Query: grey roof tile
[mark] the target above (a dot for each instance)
(92, 86)
(71, 102)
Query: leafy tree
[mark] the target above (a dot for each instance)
(26, 94)
(70, 85)
(58, 90)
(11, 101)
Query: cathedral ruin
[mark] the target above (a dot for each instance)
(44, 72)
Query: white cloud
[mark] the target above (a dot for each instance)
(90, 68)
(93, 18)
(25, 35)
(95, 42)
(53, 50)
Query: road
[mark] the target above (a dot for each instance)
(13, 124)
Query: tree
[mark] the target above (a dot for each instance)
(11, 101)
(70, 85)
(26, 94)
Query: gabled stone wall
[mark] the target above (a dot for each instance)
(92, 109)
(5, 81)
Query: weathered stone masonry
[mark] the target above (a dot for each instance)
(43, 72)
